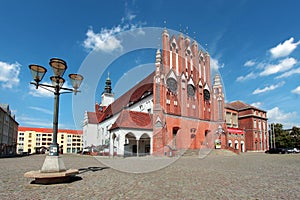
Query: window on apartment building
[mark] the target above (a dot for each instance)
(38, 144)
(30, 134)
(21, 139)
(38, 135)
(21, 134)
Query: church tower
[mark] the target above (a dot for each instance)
(107, 95)
(218, 99)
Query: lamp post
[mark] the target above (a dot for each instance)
(59, 67)
(53, 163)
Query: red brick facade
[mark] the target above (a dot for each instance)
(254, 123)
(186, 105)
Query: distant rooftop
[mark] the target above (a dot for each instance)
(239, 106)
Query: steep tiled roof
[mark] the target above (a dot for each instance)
(238, 105)
(92, 118)
(142, 89)
(229, 106)
(49, 130)
(133, 119)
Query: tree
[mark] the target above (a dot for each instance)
(286, 138)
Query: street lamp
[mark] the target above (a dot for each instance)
(59, 67)
(53, 163)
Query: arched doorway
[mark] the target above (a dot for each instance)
(229, 143)
(144, 145)
(174, 137)
(242, 146)
(131, 145)
(236, 144)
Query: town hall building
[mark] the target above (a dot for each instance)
(176, 107)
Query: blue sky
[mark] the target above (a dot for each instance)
(255, 45)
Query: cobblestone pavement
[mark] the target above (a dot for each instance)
(246, 176)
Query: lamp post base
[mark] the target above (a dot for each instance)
(53, 177)
(53, 171)
(53, 164)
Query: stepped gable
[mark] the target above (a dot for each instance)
(139, 91)
(133, 120)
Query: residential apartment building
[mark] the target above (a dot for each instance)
(38, 140)
(8, 131)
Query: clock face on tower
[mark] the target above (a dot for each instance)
(206, 95)
(172, 84)
(191, 90)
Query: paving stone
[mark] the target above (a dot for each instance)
(245, 176)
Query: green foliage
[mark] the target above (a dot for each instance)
(286, 138)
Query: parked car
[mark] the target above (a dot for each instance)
(293, 150)
(296, 150)
(276, 151)
(290, 150)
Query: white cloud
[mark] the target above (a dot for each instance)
(289, 73)
(268, 88)
(275, 115)
(43, 110)
(282, 66)
(296, 90)
(129, 17)
(249, 63)
(215, 65)
(24, 120)
(257, 104)
(105, 41)
(9, 76)
(30, 121)
(41, 92)
(284, 49)
(247, 77)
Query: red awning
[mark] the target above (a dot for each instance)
(235, 130)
